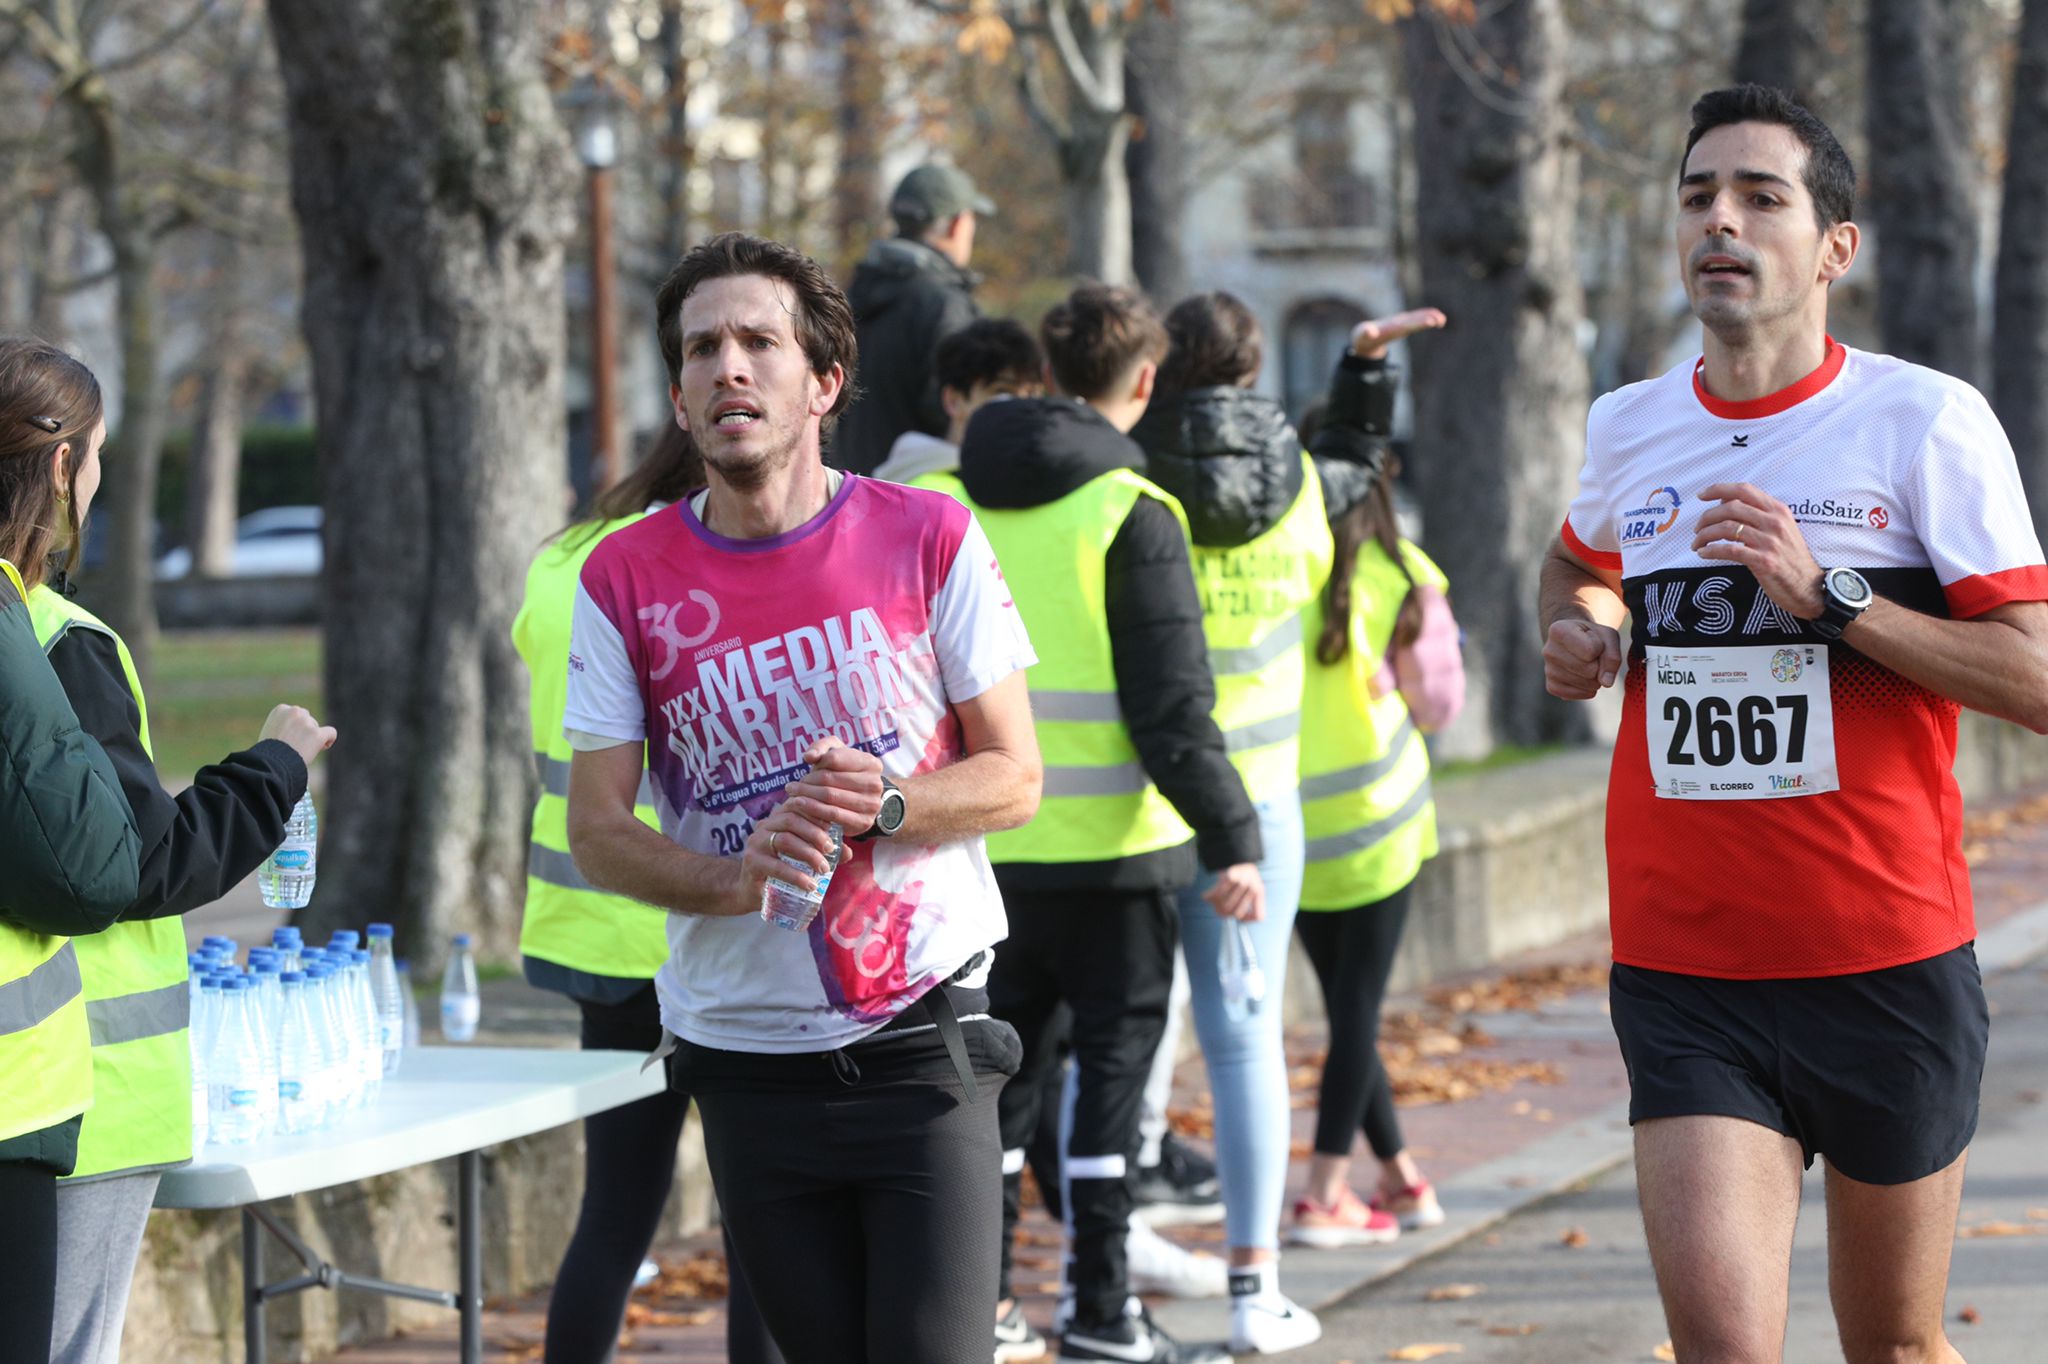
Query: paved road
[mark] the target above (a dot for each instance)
(1597, 1302)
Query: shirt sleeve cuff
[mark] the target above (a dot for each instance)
(1981, 592)
(1598, 558)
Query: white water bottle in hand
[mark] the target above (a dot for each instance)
(286, 876)
(783, 905)
(461, 1008)
(1237, 966)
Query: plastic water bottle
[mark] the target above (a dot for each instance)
(234, 1075)
(461, 1008)
(783, 905)
(286, 877)
(204, 998)
(412, 1005)
(297, 1106)
(363, 999)
(390, 996)
(1237, 966)
(330, 1057)
(288, 943)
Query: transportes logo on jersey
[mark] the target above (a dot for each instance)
(1828, 511)
(1659, 513)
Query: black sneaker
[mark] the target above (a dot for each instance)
(1180, 1190)
(1016, 1342)
(1135, 1339)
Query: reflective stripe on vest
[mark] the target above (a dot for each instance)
(1253, 596)
(1098, 804)
(1367, 806)
(567, 921)
(45, 1060)
(136, 994)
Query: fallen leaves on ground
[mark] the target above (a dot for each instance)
(518, 1349)
(638, 1314)
(700, 1276)
(1453, 1292)
(1524, 990)
(1425, 1351)
(1574, 1238)
(2037, 1214)
(2001, 1229)
(1665, 1352)
(1525, 1329)
(1969, 1316)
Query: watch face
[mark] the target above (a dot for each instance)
(890, 817)
(1847, 586)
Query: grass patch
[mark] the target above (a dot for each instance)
(1506, 755)
(211, 689)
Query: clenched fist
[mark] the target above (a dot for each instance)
(1579, 658)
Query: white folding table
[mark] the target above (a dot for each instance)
(444, 1101)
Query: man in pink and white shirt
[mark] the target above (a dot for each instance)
(794, 648)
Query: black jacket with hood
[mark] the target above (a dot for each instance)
(1026, 452)
(906, 298)
(1233, 459)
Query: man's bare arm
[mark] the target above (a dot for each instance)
(1581, 610)
(996, 786)
(617, 853)
(1996, 662)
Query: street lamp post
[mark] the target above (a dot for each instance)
(597, 143)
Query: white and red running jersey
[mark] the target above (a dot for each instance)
(1780, 806)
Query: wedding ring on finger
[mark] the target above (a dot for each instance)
(773, 835)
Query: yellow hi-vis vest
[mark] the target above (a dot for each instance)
(45, 1050)
(1098, 804)
(945, 481)
(1365, 794)
(137, 1001)
(567, 921)
(1253, 597)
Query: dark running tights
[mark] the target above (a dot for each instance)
(1353, 953)
(28, 1288)
(628, 1165)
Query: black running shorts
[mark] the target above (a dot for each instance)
(1878, 1071)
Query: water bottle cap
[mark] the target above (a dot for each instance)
(294, 977)
(236, 983)
(257, 954)
(344, 937)
(359, 956)
(379, 930)
(462, 939)
(267, 966)
(226, 944)
(209, 982)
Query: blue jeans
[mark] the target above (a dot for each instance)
(1246, 1061)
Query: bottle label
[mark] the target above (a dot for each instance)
(461, 1009)
(288, 1089)
(242, 1098)
(292, 859)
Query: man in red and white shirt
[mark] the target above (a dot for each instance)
(795, 648)
(1823, 554)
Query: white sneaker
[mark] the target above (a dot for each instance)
(1157, 1265)
(1268, 1324)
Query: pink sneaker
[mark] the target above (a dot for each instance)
(1415, 1207)
(1348, 1223)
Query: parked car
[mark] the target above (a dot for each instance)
(277, 542)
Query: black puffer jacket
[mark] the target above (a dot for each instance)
(1233, 459)
(906, 297)
(1026, 452)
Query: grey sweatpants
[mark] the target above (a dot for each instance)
(99, 1235)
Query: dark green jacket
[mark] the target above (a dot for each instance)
(69, 854)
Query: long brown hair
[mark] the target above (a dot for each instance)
(670, 468)
(1372, 519)
(46, 400)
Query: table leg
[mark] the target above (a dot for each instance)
(252, 1289)
(469, 1232)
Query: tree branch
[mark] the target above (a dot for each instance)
(1087, 84)
(164, 41)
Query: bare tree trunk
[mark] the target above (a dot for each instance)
(1157, 162)
(857, 188)
(1783, 45)
(213, 485)
(1500, 396)
(1924, 179)
(2019, 365)
(433, 189)
(678, 153)
(1098, 196)
(53, 241)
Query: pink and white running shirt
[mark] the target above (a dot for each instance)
(728, 658)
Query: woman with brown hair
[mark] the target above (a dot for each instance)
(193, 848)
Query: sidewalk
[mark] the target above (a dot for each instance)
(1511, 1091)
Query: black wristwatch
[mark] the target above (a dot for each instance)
(889, 818)
(1844, 595)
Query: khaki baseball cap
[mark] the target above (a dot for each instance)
(934, 192)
